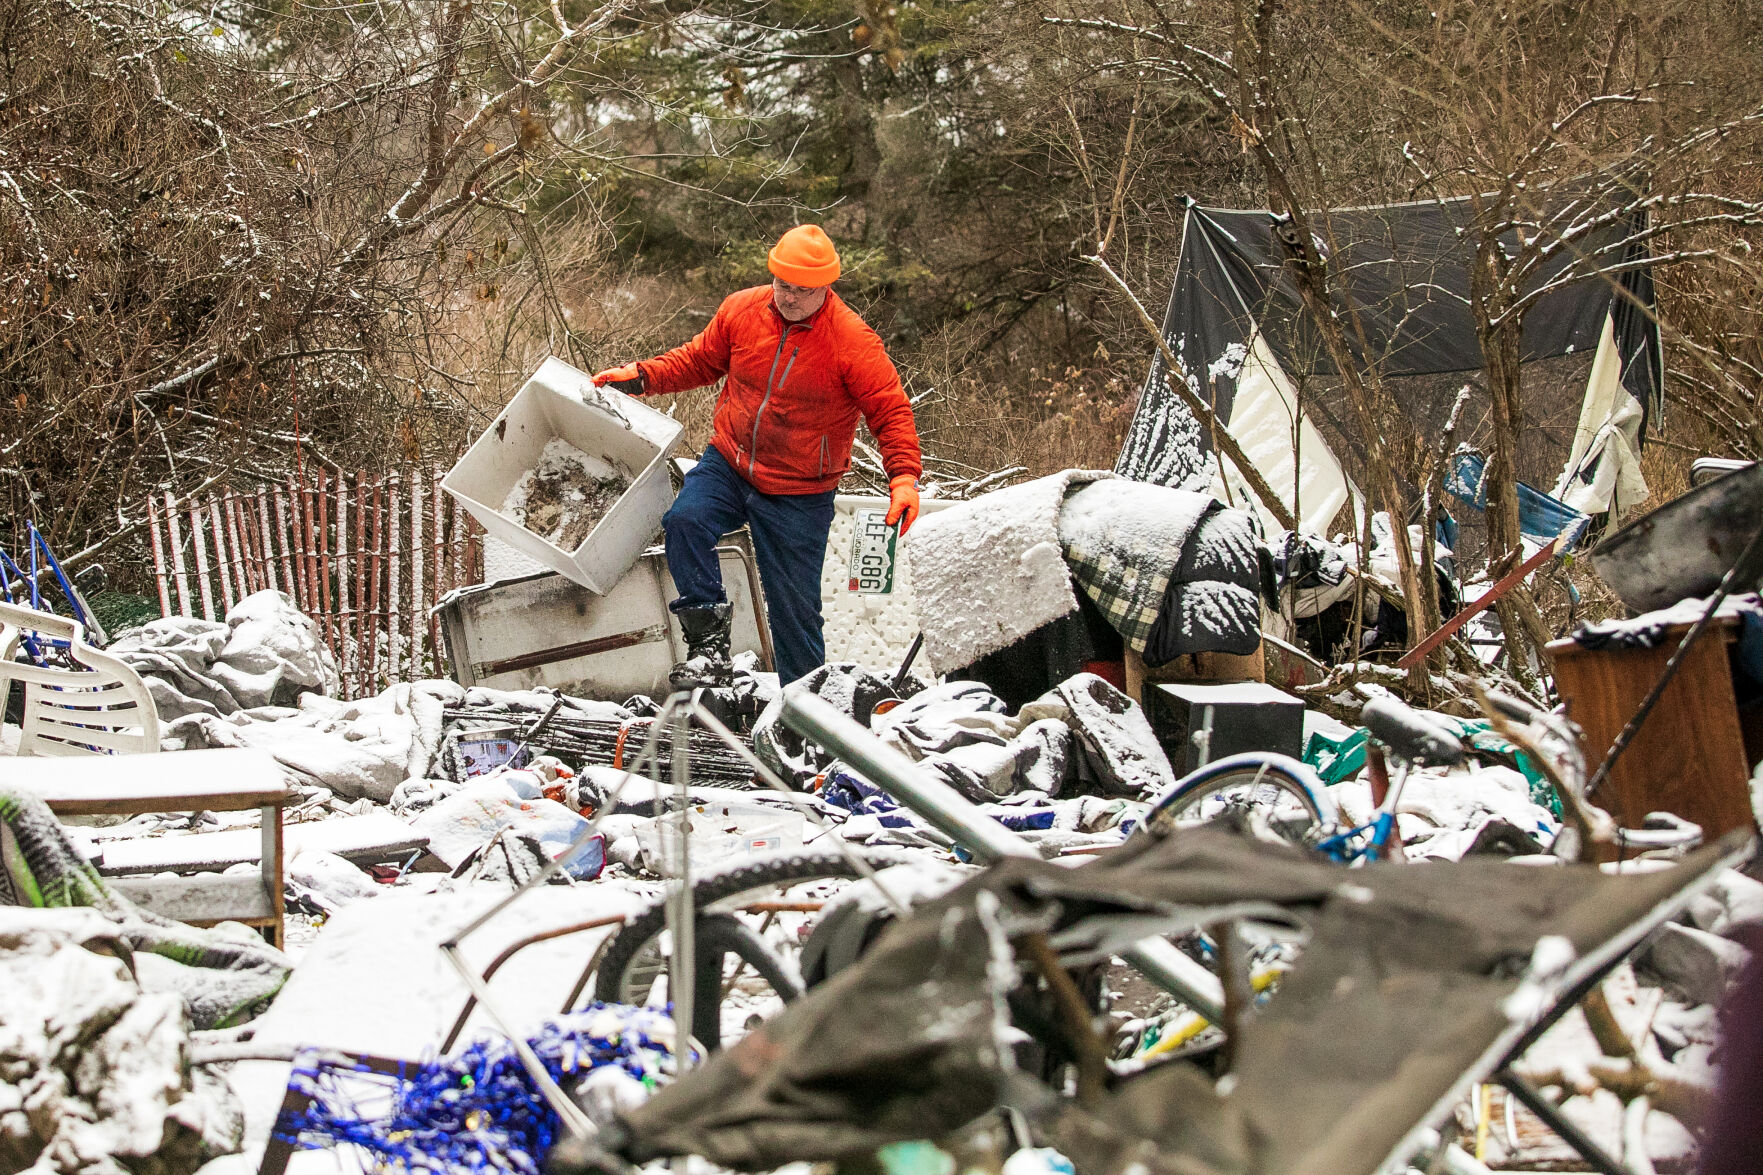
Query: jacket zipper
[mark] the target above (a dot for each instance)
(766, 399)
(823, 456)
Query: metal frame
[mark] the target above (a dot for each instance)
(520, 945)
(1584, 975)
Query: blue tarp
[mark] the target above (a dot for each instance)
(1539, 516)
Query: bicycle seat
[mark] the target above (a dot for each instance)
(1411, 735)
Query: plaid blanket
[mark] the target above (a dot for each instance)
(1167, 567)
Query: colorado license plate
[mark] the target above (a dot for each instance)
(872, 553)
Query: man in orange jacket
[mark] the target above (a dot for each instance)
(801, 367)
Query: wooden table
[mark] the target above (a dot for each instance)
(1692, 756)
(218, 780)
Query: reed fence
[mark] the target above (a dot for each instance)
(366, 556)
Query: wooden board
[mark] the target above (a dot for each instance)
(218, 780)
(1213, 667)
(1689, 757)
(205, 899)
(373, 837)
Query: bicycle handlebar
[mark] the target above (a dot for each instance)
(1410, 734)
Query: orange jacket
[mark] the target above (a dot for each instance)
(788, 412)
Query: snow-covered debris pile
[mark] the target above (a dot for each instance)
(564, 497)
(509, 802)
(489, 725)
(364, 748)
(266, 653)
(1442, 816)
(225, 975)
(94, 1071)
(1085, 736)
(326, 882)
(1084, 732)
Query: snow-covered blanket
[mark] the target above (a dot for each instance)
(1083, 730)
(1114, 748)
(1173, 571)
(361, 748)
(1213, 604)
(94, 1071)
(266, 653)
(960, 731)
(988, 572)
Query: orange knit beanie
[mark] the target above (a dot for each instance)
(805, 256)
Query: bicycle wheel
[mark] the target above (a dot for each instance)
(744, 958)
(1276, 791)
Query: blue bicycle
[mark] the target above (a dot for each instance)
(1278, 795)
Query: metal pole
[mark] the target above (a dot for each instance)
(1564, 1127)
(946, 810)
(682, 966)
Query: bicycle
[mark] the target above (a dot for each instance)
(753, 920)
(1288, 799)
(734, 955)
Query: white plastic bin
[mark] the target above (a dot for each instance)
(631, 437)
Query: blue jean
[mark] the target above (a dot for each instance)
(789, 540)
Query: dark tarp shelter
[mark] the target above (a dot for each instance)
(1236, 323)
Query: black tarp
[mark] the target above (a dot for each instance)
(1399, 1000)
(1406, 268)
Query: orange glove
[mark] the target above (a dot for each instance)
(628, 379)
(902, 501)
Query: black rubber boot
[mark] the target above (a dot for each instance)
(707, 661)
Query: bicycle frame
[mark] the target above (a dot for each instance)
(38, 648)
(1345, 847)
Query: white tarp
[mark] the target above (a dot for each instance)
(1607, 441)
(1261, 420)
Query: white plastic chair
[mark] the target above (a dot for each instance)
(100, 708)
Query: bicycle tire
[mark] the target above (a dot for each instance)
(1286, 776)
(767, 873)
(717, 936)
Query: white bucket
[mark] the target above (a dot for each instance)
(632, 438)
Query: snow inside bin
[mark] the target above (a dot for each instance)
(621, 437)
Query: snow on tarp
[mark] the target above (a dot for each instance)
(266, 653)
(365, 747)
(1405, 268)
(988, 572)
(1300, 468)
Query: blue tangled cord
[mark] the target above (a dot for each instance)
(478, 1110)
